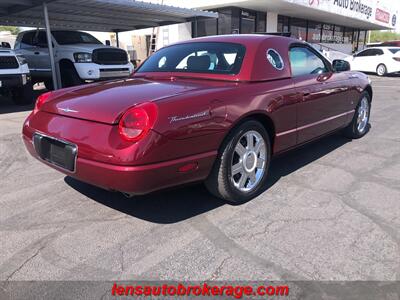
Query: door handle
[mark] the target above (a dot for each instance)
(306, 94)
(37, 52)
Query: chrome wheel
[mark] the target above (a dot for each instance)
(363, 115)
(248, 161)
(381, 70)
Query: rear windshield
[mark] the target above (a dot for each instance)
(74, 37)
(214, 58)
(394, 50)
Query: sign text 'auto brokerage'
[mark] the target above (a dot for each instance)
(356, 6)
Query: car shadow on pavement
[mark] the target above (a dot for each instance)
(178, 204)
(163, 207)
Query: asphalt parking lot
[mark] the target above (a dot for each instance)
(331, 212)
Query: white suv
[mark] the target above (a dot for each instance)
(15, 80)
(81, 57)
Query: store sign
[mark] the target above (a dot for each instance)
(382, 16)
(355, 5)
(382, 12)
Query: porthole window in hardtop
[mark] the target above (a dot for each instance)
(275, 59)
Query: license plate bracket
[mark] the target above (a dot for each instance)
(57, 152)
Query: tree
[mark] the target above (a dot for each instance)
(384, 36)
(12, 29)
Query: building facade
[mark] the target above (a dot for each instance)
(332, 25)
(340, 25)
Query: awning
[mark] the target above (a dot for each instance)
(92, 15)
(95, 15)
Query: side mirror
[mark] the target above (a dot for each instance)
(108, 43)
(5, 45)
(340, 65)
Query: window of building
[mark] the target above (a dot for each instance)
(224, 21)
(247, 21)
(228, 20)
(338, 34)
(314, 32)
(283, 24)
(327, 33)
(298, 28)
(261, 22)
(304, 61)
(205, 27)
(362, 39)
(355, 40)
(348, 35)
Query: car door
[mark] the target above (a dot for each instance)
(25, 47)
(366, 60)
(324, 94)
(42, 51)
(33, 47)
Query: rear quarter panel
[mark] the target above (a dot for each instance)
(215, 113)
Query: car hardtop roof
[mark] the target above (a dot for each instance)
(245, 39)
(256, 65)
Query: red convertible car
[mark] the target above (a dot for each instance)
(213, 109)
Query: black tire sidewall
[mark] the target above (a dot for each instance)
(70, 78)
(22, 95)
(236, 196)
(353, 126)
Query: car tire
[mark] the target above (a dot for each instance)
(69, 77)
(22, 95)
(240, 170)
(359, 125)
(381, 70)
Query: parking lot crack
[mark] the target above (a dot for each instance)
(25, 262)
(216, 274)
(121, 257)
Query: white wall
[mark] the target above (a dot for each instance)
(272, 22)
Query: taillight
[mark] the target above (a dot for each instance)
(137, 121)
(396, 58)
(42, 99)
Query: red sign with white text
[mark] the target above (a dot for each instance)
(382, 16)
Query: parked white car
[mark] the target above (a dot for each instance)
(379, 60)
(15, 80)
(81, 57)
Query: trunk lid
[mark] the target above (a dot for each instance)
(105, 102)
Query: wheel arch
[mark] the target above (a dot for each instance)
(265, 120)
(65, 62)
(368, 89)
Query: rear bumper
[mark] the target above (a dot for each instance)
(135, 179)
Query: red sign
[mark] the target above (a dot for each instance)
(382, 16)
(311, 2)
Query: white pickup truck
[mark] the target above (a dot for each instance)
(80, 56)
(15, 80)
